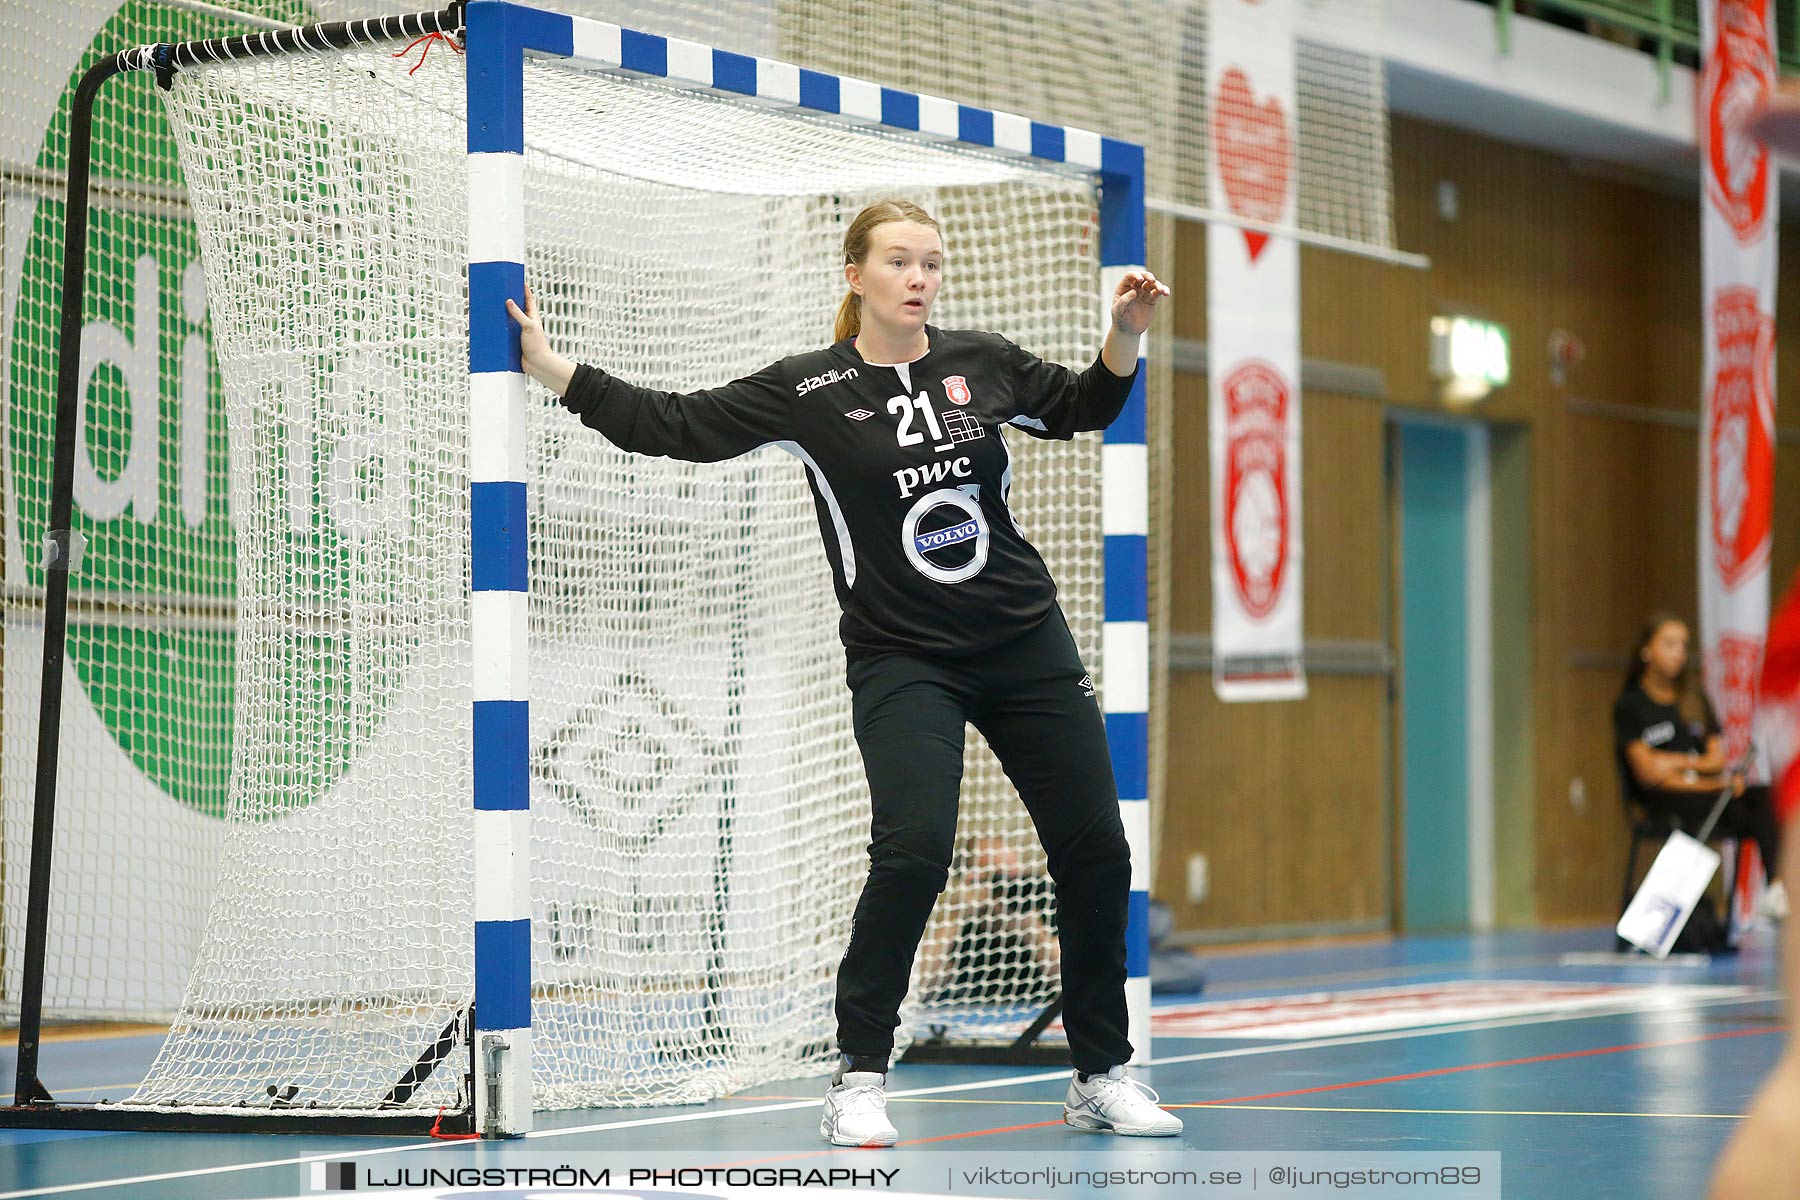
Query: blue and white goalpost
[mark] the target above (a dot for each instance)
(500, 37)
(446, 588)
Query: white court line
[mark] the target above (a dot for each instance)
(201, 1172)
(1667, 1015)
(1359, 1039)
(1398, 971)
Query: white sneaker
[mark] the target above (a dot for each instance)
(856, 1111)
(1774, 903)
(1111, 1103)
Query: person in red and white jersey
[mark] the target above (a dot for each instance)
(949, 618)
(1762, 1161)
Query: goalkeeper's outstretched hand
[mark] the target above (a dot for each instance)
(1133, 304)
(535, 355)
(1134, 301)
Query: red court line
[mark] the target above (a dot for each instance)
(1505, 1062)
(1330, 1087)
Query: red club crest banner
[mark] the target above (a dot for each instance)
(1253, 348)
(1737, 425)
(1256, 525)
(1740, 450)
(1740, 72)
(1731, 674)
(1253, 146)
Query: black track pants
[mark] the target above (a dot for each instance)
(1030, 698)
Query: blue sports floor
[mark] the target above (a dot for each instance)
(1590, 1080)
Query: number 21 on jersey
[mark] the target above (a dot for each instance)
(906, 407)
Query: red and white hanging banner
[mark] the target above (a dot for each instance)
(1253, 354)
(1737, 415)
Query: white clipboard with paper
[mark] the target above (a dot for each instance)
(1673, 886)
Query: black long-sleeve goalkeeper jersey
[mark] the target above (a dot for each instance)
(909, 471)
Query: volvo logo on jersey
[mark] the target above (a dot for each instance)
(945, 536)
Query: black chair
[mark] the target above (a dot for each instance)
(1648, 825)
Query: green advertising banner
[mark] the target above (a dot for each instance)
(147, 733)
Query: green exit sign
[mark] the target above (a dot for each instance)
(1469, 356)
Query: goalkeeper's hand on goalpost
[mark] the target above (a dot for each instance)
(539, 360)
(1133, 304)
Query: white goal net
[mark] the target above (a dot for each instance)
(698, 807)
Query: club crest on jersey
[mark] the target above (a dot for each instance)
(957, 388)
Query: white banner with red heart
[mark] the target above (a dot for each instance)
(1253, 354)
(1737, 425)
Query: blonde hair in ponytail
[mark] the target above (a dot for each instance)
(856, 250)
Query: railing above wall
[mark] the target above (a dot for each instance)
(1667, 29)
(1322, 656)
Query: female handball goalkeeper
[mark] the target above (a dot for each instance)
(949, 616)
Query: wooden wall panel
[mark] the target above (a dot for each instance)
(1629, 548)
(1784, 557)
(1630, 529)
(1190, 581)
(1581, 854)
(1282, 798)
(1343, 445)
(1538, 244)
(1368, 313)
(1287, 801)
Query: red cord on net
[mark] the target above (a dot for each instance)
(426, 53)
(438, 1124)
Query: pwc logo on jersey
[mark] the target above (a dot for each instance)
(910, 479)
(956, 387)
(826, 380)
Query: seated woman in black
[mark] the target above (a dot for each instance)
(1668, 740)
